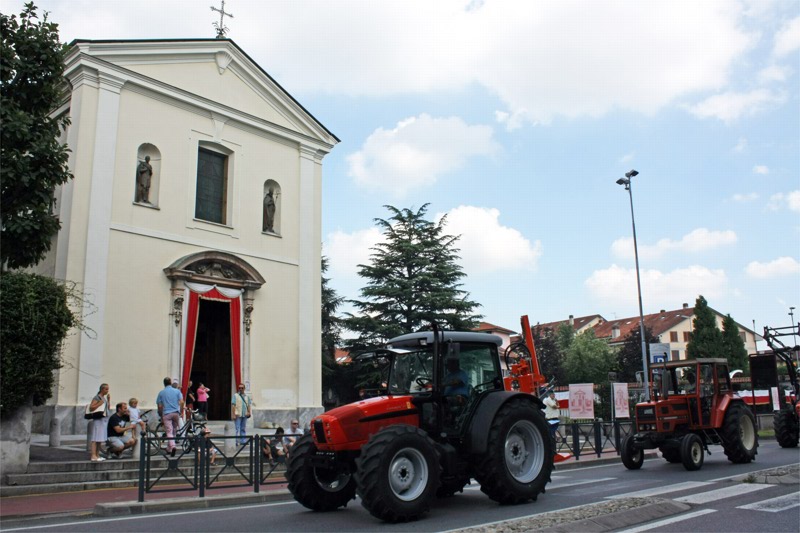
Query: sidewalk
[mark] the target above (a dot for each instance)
(123, 501)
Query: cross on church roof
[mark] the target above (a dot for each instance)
(220, 26)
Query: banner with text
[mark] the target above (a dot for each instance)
(581, 401)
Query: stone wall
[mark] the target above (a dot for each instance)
(15, 441)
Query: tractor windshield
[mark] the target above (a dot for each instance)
(411, 372)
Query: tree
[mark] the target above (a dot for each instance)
(629, 357)
(32, 160)
(733, 346)
(706, 336)
(551, 358)
(412, 280)
(331, 329)
(588, 359)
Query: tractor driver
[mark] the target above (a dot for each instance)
(691, 382)
(456, 382)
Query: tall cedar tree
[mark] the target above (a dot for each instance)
(331, 328)
(32, 160)
(551, 358)
(412, 279)
(706, 336)
(733, 346)
(629, 357)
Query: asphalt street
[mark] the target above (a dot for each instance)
(717, 503)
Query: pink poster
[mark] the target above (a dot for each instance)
(581, 401)
(621, 407)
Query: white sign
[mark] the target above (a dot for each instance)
(776, 403)
(659, 352)
(581, 401)
(621, 407)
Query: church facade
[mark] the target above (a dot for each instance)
(193, 228)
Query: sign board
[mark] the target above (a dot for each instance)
(581, 401)
(776, 402)
(621, 406)
(659, 352)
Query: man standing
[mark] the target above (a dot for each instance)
(240, 412)
(119, 425)
(552, 414)
(170, 405)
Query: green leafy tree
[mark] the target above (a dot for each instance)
(551, 358)
(588, 359)
(706, 336)
(629, 356)
(565, 334)
(331, 329)
(36, 318)
(733, 346)
(32, 160)
(412, 280)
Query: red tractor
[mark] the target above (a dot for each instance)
(444, 418)
(693, 406)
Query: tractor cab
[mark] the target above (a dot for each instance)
(691, 388)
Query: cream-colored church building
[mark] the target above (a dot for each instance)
(193, 228)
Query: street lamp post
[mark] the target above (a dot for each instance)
(794, 341)
(626, 181)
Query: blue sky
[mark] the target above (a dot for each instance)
(516, 118)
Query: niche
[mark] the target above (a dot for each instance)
(147, 176)
(271, 210)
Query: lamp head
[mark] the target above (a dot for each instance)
(631, 173)
(623, 181)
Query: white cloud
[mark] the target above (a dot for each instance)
(761, 169)
(542, 59)
(486, 245)
(787, 40)
(783, 266)
(729, 106)
(698, 240)
(773, 73)
(627, 158)
(417, 152)
(741, 145)
(790, 200)
(743, 198)
(345, 251)
(617, 286)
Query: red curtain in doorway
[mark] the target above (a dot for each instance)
(192, 313)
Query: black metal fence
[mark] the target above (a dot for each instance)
(584, 438)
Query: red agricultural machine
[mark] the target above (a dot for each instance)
(447, 415)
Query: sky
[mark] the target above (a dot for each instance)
(515, 119)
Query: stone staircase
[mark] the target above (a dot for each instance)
(68, 469)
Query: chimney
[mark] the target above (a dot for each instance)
(685, 306)
(571, 321)
(663, 311)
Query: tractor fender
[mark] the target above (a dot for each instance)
(725, 402)
(477, 437)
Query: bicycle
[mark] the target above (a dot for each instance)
(186, 433)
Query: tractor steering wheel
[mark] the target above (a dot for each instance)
(424, 383)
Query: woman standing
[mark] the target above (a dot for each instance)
(202, 400)
(98, 428)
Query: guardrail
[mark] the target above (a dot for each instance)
(582, 438)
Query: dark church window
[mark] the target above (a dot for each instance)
(211, 203)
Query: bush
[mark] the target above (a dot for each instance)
(35, 320)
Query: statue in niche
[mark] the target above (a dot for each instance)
(269, 211)
(144, 174)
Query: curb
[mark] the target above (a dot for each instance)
(622, 519)
(182, 504)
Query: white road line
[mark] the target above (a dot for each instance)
(660, 490)
(566, 483)
(775, 505)
(721, 494)
(668, 521)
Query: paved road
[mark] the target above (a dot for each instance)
(718, 504)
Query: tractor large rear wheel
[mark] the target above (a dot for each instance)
(739, 437)
(398, 473)
(519, 456)
(319, 489)
(787, 428)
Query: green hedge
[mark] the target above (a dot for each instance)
(35, 319)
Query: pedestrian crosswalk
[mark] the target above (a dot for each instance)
(720, 494)
(775, 505)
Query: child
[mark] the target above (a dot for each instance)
(136, 417)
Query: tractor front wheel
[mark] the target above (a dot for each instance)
(739, 437)
(787, 429)
(398, 473)
(519, 454)
(319, 489)
(632, 457)
(692, 453)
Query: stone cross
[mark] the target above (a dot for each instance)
(220, 27)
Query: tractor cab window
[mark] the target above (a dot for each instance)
(412, 372)
(723, 379)
(706, 379)
(686, 379)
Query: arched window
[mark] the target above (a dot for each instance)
(148, 175)
(271, 214)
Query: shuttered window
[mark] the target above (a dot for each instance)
(211, 202)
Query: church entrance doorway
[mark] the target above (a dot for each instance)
(212, 364)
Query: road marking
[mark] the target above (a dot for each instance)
(721, 494)
(668, 521)
(774, 505)
(566, 483)
(753, 473)
(660, 490)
